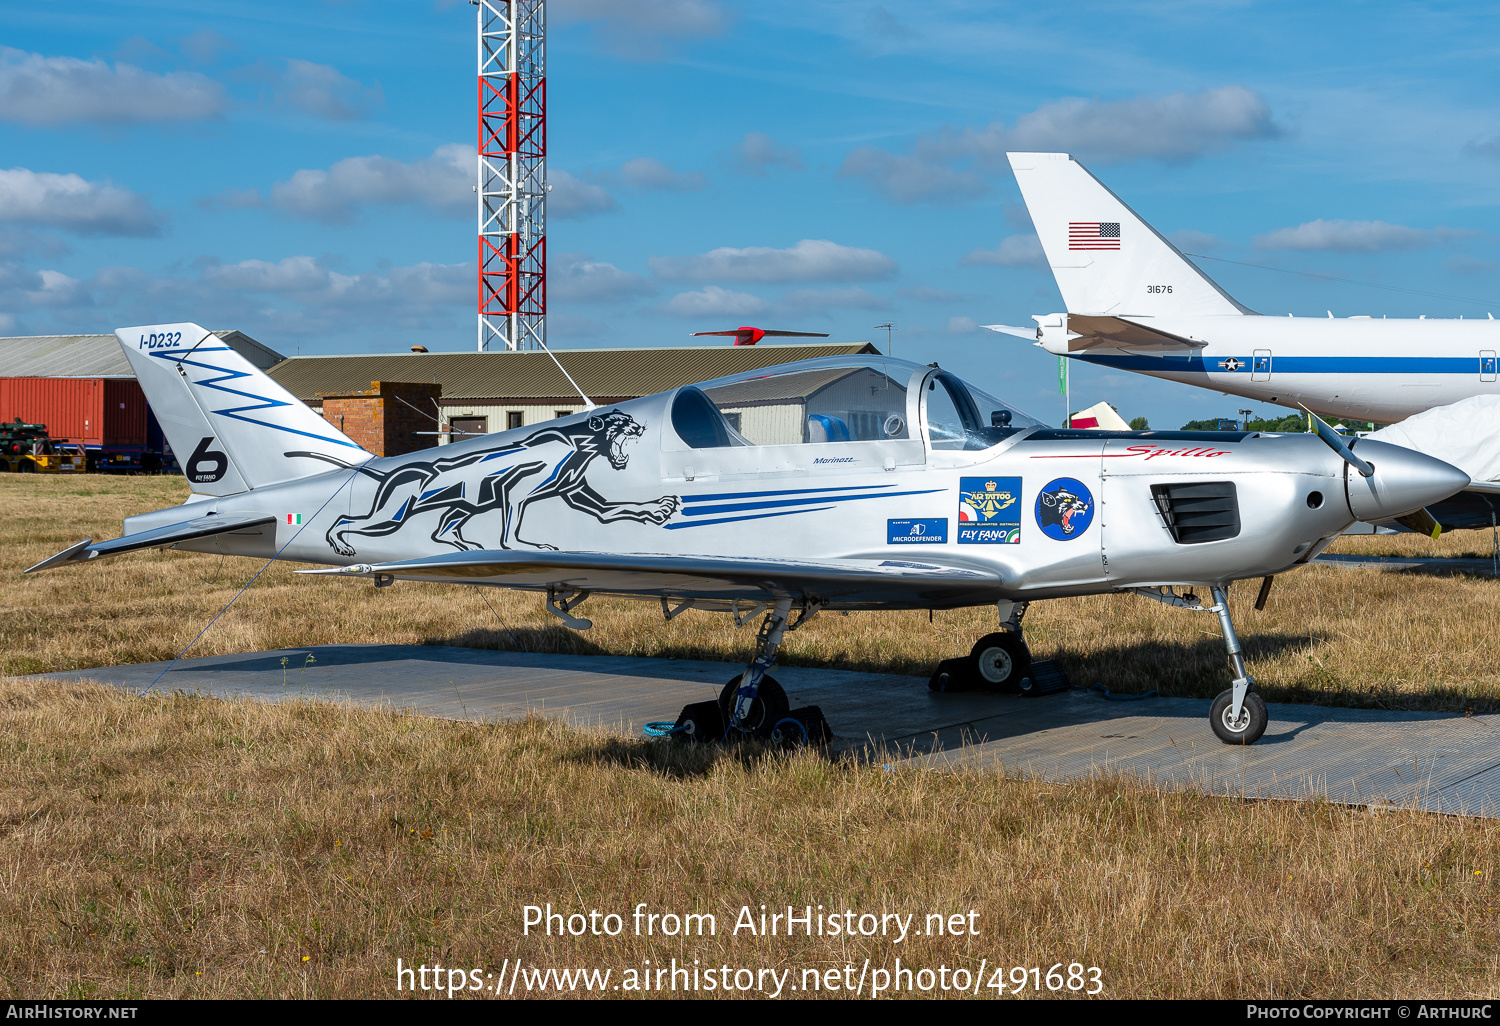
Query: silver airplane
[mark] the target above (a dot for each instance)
(843, 483)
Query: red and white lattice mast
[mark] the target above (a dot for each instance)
(512, 174)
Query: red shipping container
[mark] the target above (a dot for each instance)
(94, 411)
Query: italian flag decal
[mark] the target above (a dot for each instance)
(293, 519)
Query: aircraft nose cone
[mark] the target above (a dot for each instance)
(1404, 480)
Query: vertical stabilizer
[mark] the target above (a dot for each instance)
(231, 427)
(1105, 258)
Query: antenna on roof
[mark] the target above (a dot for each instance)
(889, 327)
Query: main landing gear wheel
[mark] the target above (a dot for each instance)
(1243, 731)
(769, 705)
(1001, 660)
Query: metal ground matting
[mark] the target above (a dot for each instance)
(1441, 762)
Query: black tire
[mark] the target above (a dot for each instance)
(1251, 724)
(769, 706)
(1000, 660)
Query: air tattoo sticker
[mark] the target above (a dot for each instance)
(989, 510)
(1064, 509)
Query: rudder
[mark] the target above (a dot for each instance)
(1106, 259)
(232, 427)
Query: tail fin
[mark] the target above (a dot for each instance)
(1105, 258)
(231, 426)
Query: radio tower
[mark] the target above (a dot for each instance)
(512, 187)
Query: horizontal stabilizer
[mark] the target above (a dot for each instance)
(1119, 333)
(159, 537)
(1011, 329)
(699, 577)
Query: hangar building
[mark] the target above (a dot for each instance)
(83, 389)
(390, 404)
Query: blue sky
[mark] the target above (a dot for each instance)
(304, 171)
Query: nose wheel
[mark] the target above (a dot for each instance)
(1242, 729)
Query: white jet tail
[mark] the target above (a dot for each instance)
(232, 428)
(1107, 261)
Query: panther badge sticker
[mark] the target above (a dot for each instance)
(1064, 509)
(989, 510)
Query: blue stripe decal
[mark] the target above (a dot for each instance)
(1291, 364)
(401, 513)
(262, 402)
(736, 507)
(555, 471)
(756, 516)
(792, 491)
(502, 452)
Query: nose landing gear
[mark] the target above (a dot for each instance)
(1238, 716)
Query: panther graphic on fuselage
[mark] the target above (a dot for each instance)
(445, 484)
(1059, 508)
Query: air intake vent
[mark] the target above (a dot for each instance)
(1199, 512)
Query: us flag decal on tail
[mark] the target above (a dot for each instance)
(1094, 235)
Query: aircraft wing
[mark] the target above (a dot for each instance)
(160, 537)
(1120, 333)
(916, 583)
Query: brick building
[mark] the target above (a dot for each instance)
(390, 418)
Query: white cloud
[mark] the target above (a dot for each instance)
(714, 301)
(1173, 128)
(319, 89)
(572, 198)
(1462, 263)
(649, 173)
(907, 179)
(38, 90)
(73, 204)
(950, 165)
(298, 295)
(204, 46)
(928, 294)
(808, 260)
(443, 183)
(573, 277)
(16, 241)
(1189, 240)
(1013, 251)
(850, 298)
(962, 326)
(311, 281)
(642, 30)
(757, 152)
(1358, 237)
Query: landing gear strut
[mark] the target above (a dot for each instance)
(1238, 716)
(752, 702)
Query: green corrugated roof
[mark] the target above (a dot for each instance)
(602, 373)
(99, 356)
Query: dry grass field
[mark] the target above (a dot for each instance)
(178, 846)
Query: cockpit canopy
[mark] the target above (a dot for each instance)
(842, 399)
